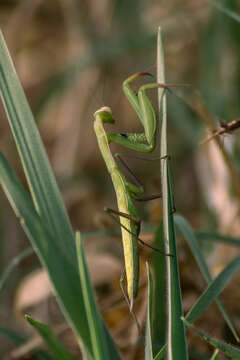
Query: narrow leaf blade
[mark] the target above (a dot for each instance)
(227, 349)
(176, 339)
(189, 236)
(62, 272)
(54, 345)
(160, 355)
(213, 290)
(158, 319)
(50, 232)
(101, 349)
(37, 169)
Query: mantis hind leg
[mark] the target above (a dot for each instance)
(118, 213)
(136, 221)
(137, 188)
(130, 305)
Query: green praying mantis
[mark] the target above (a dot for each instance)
(126, 191)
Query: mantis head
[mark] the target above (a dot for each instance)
(105, 114)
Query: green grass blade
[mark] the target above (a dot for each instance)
(54, 345)
(233, 15)
(158, 318)
(209, 236)
(213, 290)
(227, 349)
(189, 236)
(161, 354)
(215, 355)
(148, 335)
(62, 272)
(98, 339)
(37, 169)
(176, 338)
(12, 265)
(51, 235)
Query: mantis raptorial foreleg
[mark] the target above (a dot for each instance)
(127, 192)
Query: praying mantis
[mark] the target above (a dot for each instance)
(126, 191)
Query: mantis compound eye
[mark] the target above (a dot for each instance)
(105, 114)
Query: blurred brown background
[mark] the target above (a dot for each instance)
(72, 57)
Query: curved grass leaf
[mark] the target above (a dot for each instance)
(49, 230)
(213, 290)
(176, 339)
(227, 349)
(42, 184)
(233, 15)
(148, 335)
(13, 263)
(218, 238)
(100, 347)
(61, 271)
(54, 345)
(190, 237)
